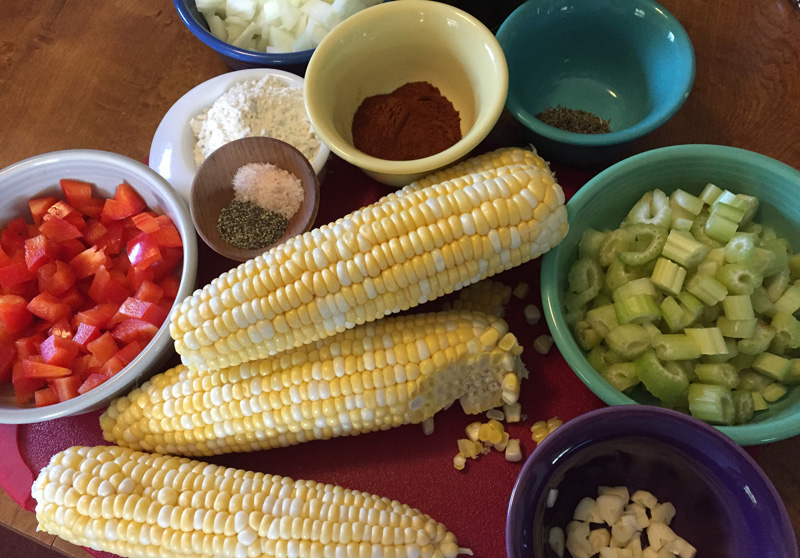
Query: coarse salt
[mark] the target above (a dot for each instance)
(270, 187)
(265, 107)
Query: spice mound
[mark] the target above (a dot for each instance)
(412, 122)
(265, 107)
(265, 199)
(574, 120)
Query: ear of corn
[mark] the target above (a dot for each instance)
(141, 505)
(437, 235)
(395, 371)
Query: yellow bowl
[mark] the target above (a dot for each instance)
(381, 48)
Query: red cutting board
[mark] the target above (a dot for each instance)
(402, 464)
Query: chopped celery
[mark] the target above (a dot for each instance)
(707, 289)
(708, 339)
(698, 231)
(668, 276)
(602, 299)
(675, 346)
(652, 209)
(794, 267)
(739, 248)
(773, 392)
(778, 248)
(733, 352)
(636, 309)
(711, 403)
(763, 261)
(621, 376)
(727, 211)
(759, 403)
(720, 374)
(681, 218)
(619, 274)
(741, 360)
(585, 274)
(603, 319)
(776, 284)
(749, 380)
(794, 372)
(737, 329)
(760, 340)
(687, 201)
(774, 366)
(787, 329)
(711, 313)
(642, 286)
(692, 305)
(652, 331)
(761, 302)
(749, 204)
(738, 307)
(743, 406)
(628, 341)
(614, 242)
(789, 301)
(710, 193)
(666, 384)
(653, 239)
(600, 358)
(739, 278)
(586, 336)
(713, 262)
(674, 316)
(683, 249)
(719, 228)
(591, 241)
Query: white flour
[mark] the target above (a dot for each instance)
(265, 107)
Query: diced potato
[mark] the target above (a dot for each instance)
(621, 491)
(556, 540)
(587, 510)
(659, 535)
(681, 548)
(644, 498)
(599, 539)
(610, 507)
(663, 513)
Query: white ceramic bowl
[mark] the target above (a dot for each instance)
(171, 153)
(39, 176)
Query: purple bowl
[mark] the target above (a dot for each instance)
(726, 506)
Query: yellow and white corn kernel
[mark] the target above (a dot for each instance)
(532, 314)
(226, 512)
(501, 210)
(543, 344)
(513, 451)
(541, 429)
(399, 370)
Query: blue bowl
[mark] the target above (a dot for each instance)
(235, 57)
(629, 61)
(726, 506)
(604, 201)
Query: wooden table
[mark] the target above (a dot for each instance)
(101, 75)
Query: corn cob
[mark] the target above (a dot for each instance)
(148, 505)
(487, 296)
(434, 236)
(395, 371)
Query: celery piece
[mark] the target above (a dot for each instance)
(577, 302)
(793, 377)
(637, 309)
(707, 289)
(589, 246)
(674, 316)
(602, 319)
(686, 201)
(614, 242)
(586, 336)
(761, 303)
(789, 301)
(759, 403)
(720, 374)
(760, 340)
(768, 234)
(664, 384)
(681, 218)
(585, 274)
(743, 406)
(773, 392)
(778, 346)
(787, 329)
(686, 366)
(776, 284)
(774, 366)
(749, 380)
(738, 307)
(683, 249)
(642, 286)
(575, 315)
(794, 267)
(668, 276)
(619, 274)
(708, 339)
(621, 376)
(601, 358)
(733, 351)
(778, 248)
(628, 341)
(711, 403)
(692, 305)
(739, 278)
(675, 346)
(602, 299)
(752, 228)
(710, 193)
(711, 313)
(763, 261)
(749, 204)
(652, 209)
(653, 239)
(713, 262)
(698, 231)
(737, 329)
(652, 331)
(741, 360)
(726, 211)
(739, 248)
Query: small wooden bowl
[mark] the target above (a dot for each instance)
(212, 189)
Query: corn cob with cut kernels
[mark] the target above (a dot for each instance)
(487, 296)
(398, 370)
(140, 505)
(437, 235)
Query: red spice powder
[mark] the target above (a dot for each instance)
(412, 122)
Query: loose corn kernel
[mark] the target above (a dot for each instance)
(542, 344)
(468, 448)
(539, 431)
(513, 412)
(495, 414)
(473, 431)
(553, 423)
(459, 461)
(521, 290)
(513, 450)
(532, 314)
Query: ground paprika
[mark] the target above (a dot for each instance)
(412, 122)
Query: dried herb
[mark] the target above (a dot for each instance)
(572, 120)
(249, 226)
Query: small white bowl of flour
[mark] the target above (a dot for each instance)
(254, 102)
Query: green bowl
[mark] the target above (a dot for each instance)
(605, 200)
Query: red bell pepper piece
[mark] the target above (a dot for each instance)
(14, 313)
(44, 397)
(145, 222)
(7, 356)
(32, 368)
(15, 274)
(106, 287)
(94, 231)
(168, 237)
(48, 307)
(140, 310)
(134, 330)
(56, 277)
(59, 230)
(92, 208)
(59, 351)
(88, 262)
(61, 329)
(111, 242)
(130, 351)
(170, 285)
(126, 203)
(103, 348)
(38, 251)
(166, 265)
(85, 334)
(143, 251)
(92, 381)
(67, 387)
(149, 292)
(99, 316)
(77, 192)
(112, 366)
(39, 207)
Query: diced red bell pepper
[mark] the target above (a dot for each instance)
(59, 351)
(59, 210)
(134, 330)
(15, 274)
(130, 351)
(103, 348)
(112, 366)
(149, 292)
(44, 397)
(28, 346)
(143, 251)
(59, 230)
(93, 208)
(17, 226)
(140, 310)
(38, 251)
(85, 365)
(166, 265)
(171, 285)
(126, 203)
(48, 307)
(111, 242)
(138, 276)
(67, 387)
(168, 237)
(39, 207)
(7, 356)
(106, 287)
(77, 192)
(88, 262)
(73, 298)
(92, 382)
(61, 329)
(145, 222)
(14, 313)
(99, 316)
(70, 248)
(84, 334)
(56, 277)
(94, 231)
(32, 368)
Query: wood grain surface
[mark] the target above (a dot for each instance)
(102, 74)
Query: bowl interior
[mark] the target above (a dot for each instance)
(605, 200)
(40, 176)
(213, 189)
(715, 487)
(630, 62)
(386, 46)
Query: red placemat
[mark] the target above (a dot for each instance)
(403, 463)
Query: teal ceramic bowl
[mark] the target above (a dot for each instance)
(629, 61)
(605, 200)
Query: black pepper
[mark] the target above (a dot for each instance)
(572, 120)
(248, 226)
